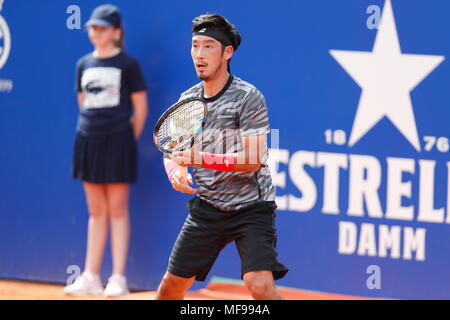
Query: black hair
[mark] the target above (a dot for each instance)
(217, 22)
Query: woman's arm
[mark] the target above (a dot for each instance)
(140, 105)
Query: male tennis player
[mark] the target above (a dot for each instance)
(235, 196)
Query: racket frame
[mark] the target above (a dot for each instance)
(168, 112)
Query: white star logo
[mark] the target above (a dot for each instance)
(386, 77)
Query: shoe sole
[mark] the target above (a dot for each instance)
(84, 293)
(116, 295)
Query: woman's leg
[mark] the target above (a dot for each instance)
(98, 225)
(117, 198)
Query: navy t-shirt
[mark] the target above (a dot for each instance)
(107, 85)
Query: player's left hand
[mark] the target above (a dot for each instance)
(188, 158)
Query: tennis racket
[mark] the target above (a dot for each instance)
(178, 126)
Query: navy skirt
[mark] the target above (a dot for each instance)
(105, 159)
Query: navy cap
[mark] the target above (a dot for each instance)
(106, 15)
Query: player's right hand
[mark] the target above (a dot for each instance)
(181, 182)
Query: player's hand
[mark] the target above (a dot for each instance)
(188, 158)
(181, 182)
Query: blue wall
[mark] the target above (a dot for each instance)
(286, 54)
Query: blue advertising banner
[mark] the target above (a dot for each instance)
(358, 96)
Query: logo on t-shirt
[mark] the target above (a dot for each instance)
(101, 87)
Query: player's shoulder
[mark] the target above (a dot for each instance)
(244, 86)
(193, 91)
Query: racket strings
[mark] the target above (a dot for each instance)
(180, 126)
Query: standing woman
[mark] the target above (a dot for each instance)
(113, 109)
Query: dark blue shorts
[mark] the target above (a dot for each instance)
(207, 230)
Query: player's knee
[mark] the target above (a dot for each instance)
(166, 288)
(170, 288)
(259, 289)
(260, 286)
(171, 283)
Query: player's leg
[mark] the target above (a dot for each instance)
(117, 199)
(173, 287)
(194, 252)
(98, 225)
(262, 285)
(254, 232)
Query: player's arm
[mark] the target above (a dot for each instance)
(178, 176)
(247, 160)
(250, 158)
(253, 126)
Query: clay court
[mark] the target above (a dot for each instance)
(216, 289)
(223, 138)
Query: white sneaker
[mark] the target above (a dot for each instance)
(117, 286)
(86, 284)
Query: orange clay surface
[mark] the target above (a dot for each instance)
(215, 290)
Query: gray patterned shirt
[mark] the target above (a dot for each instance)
(238, 110)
